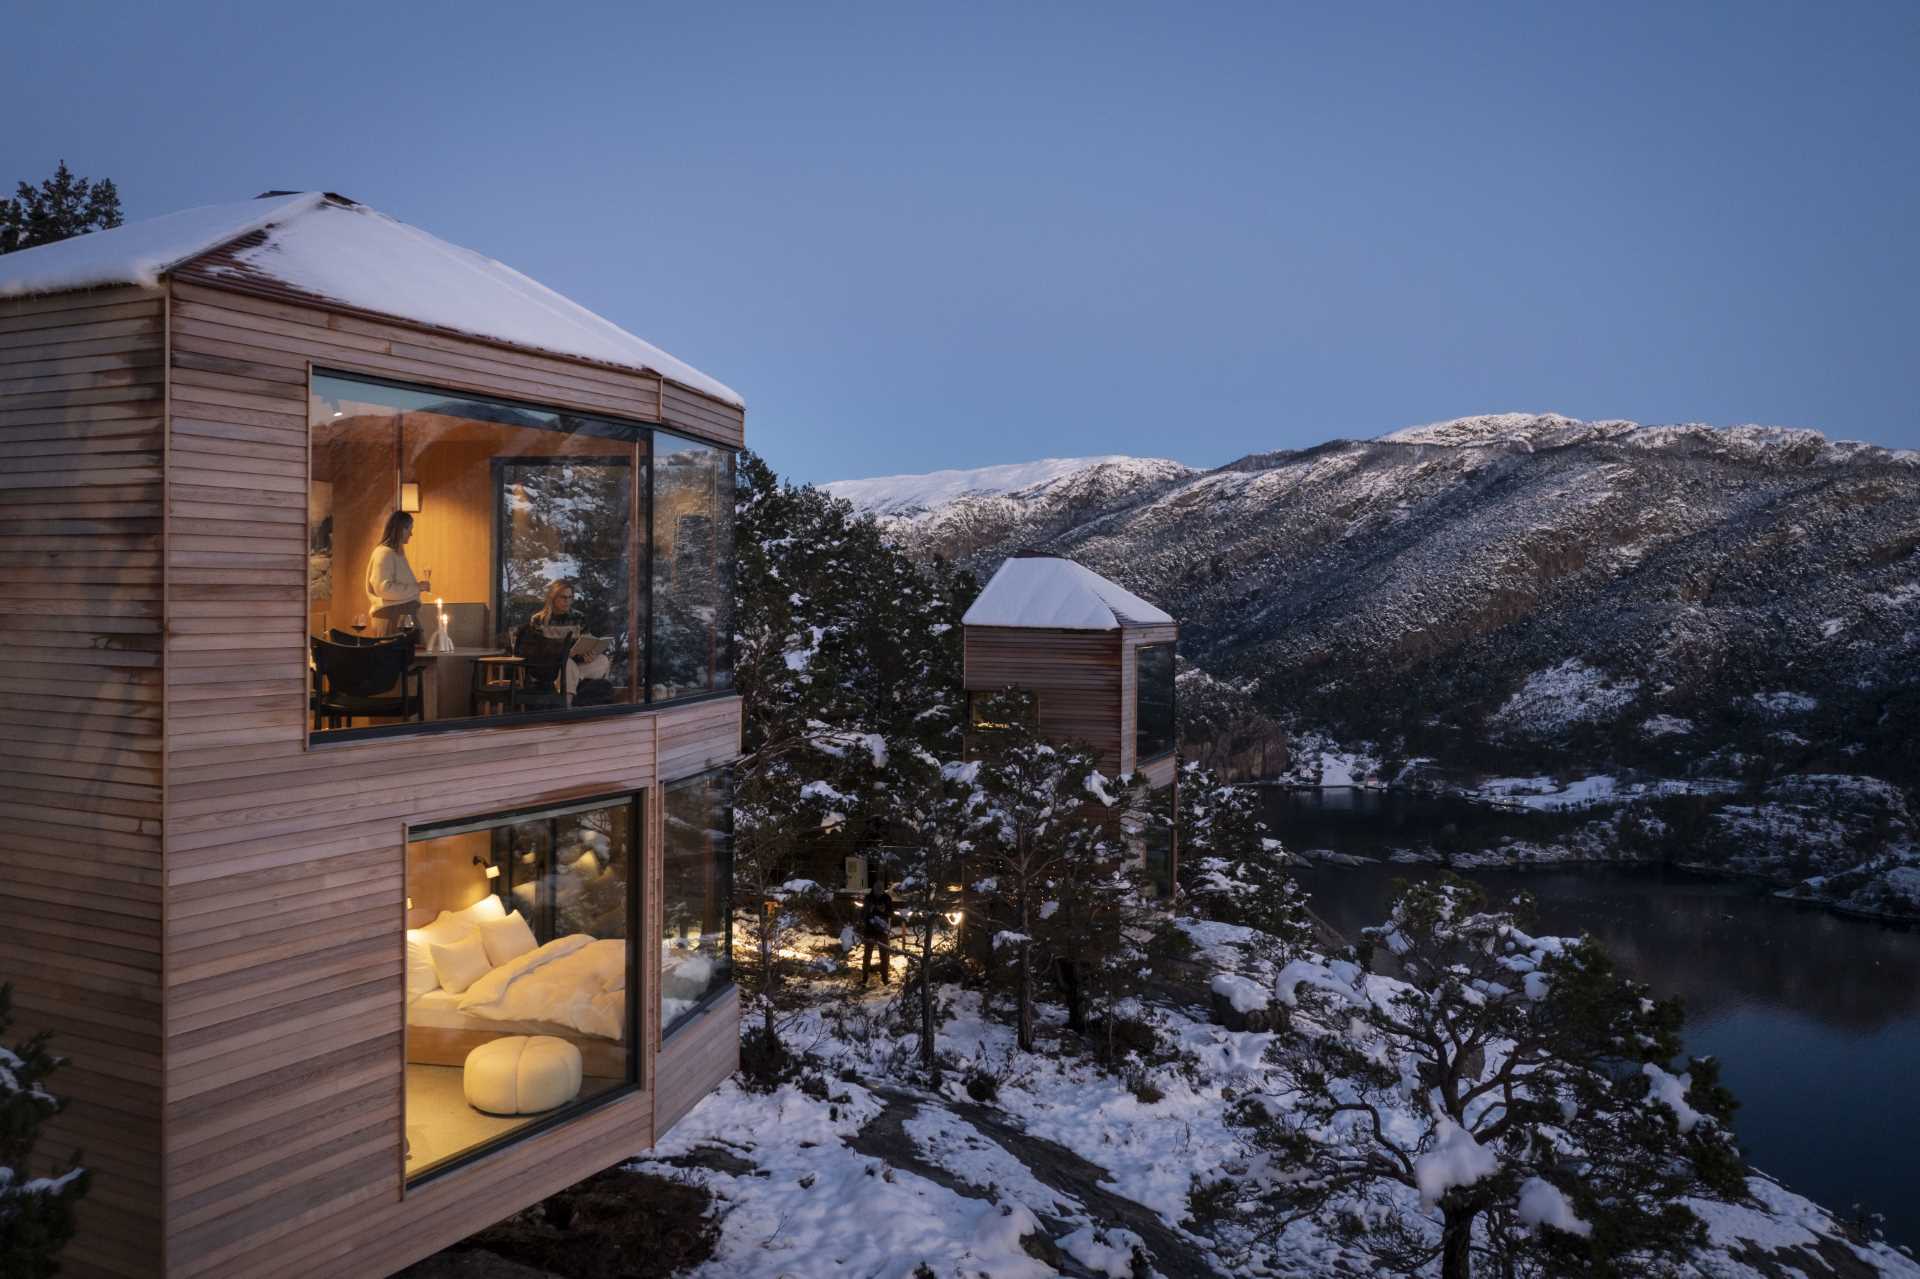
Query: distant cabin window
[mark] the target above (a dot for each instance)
(1154, 724)
(471, 557)
(696, 952)
(522, 973)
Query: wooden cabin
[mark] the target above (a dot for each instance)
(1088, 661)
(366, 730)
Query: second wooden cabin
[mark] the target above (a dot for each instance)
(1094, 664)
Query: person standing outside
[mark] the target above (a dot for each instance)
(393, 592)
(876, 925)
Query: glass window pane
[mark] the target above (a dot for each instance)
(692, 568)
(1153, 734)
(696, 954)
(518, 926)
(499, 544)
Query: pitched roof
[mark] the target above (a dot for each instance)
(1042, 591)
(333, 250)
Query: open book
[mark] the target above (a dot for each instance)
(587, 647)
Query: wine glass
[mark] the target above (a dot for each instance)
(360, 623)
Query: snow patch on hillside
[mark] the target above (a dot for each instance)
(1556, 699)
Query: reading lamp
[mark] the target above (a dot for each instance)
(493, 872)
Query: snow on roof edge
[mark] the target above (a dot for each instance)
(139, 253)
(1051, 593)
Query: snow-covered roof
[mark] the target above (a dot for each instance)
(344, 253)
(1057, 594)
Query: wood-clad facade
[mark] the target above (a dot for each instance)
(206, 906)
(1083, 684)
(82, 435)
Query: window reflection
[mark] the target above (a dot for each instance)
(692, 568)
(1154, 722)
(696, 952)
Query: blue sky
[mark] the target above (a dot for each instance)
(930, 236)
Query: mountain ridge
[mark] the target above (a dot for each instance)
(1531, 591)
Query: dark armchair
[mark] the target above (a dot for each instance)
(538, 688)
(368, 680)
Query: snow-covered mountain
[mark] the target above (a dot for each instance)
(1687, 569)
(906, 496)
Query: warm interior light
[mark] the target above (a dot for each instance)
(493, 872)
(410, 497)
(409, 903)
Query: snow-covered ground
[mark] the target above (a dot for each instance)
(851, 1170)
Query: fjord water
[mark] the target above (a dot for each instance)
(1815, 1018)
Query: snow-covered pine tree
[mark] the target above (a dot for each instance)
(1230, 868)
(60, 207)
(1518, 1085)
(36, 1213)
(1039, 811)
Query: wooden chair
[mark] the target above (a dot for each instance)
(360, 680)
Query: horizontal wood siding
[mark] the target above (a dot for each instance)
(695, 1059)
(1075, 675)
(285, 866)
(82, 387)
(263, 339)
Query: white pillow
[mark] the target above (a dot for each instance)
(422, 979)
(461, 963)
(507, 939)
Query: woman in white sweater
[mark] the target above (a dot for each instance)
(392, 590)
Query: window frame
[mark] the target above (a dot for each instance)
(590, 421)
(635, 1083)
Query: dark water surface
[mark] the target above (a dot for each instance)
(1815, 1019)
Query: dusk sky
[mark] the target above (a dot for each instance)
(919, 237)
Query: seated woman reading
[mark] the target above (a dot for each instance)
(557, 620)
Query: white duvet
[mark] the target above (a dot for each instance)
(572, 981)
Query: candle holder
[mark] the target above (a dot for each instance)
(441, 641)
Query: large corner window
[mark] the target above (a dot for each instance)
(696, 950)
(523, 966)
(471, 557)
(1154, 720)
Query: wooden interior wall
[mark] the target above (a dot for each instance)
(364, 457)
(81, 456)
(441, 875)
(285, 867)
(1076, 675)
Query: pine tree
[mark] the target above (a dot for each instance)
(36, 1213)
(1518, 1085)
(1230, 869)
(60, 207)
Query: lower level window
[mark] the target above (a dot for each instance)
(696, 952)
(522, 973)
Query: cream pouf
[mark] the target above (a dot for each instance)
(522, 1075)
